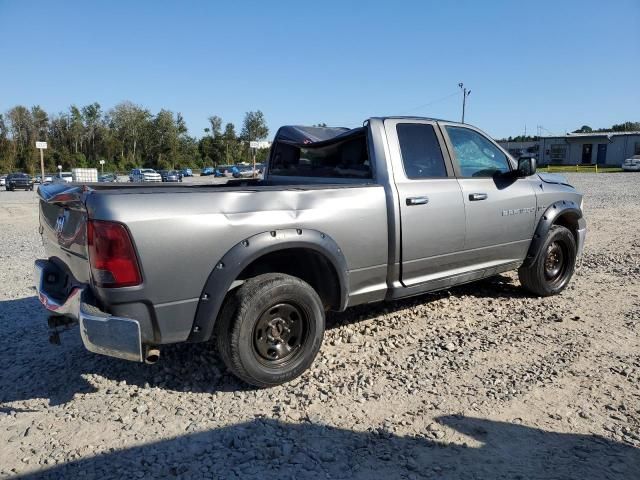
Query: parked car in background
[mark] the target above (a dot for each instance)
(48, 178)
(234, 171)
(18, 181)
(206, 171)
(170, 176)
(144, 175)
(3, 180)
(108, 178)
(632, 164)
(246, 172)
(66, 177)
(186, 172)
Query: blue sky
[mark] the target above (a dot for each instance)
(559, 64)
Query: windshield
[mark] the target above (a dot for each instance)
(147, 170)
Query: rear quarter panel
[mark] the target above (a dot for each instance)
(179, 238)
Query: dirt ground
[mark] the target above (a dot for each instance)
(481, 381)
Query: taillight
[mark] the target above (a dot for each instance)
(111, 255)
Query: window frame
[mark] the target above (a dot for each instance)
(511, 163)
(397, 164)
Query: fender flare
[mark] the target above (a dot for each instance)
(241, 255)
(548, 218)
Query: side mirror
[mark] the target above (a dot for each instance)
(526, 166)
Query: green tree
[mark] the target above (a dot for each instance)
(92, 116)
(254, 126)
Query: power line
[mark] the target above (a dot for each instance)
(413, 109)
(430, 103)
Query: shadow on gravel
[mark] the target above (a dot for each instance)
(33, 368)
(271, 449)
(497, 287)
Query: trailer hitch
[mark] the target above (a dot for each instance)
(57, 325)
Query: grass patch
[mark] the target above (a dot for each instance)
(579, 168)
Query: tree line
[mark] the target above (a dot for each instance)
(125, 136)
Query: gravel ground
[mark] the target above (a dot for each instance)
(481, 381)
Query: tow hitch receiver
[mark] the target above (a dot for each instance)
(57, 325)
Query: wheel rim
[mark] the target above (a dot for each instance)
(280, 333)
(554, 262)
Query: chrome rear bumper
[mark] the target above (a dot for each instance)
(582, 235)
(101, 332)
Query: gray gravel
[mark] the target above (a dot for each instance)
(481, 381)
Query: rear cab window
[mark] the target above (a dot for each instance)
(347, 158)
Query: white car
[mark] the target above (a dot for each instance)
(632, 164)
(145, 175)
(65, 177)
(3, 180)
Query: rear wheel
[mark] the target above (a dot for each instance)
(270, 329)
(552, 270)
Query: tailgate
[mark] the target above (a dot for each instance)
(63, 220)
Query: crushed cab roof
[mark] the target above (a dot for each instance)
(314, 136)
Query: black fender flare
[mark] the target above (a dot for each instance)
(241, 255)
(548, 218)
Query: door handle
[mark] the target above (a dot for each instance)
(417, 201)
(474, 197)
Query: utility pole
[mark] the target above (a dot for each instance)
(42, 146)
(465, 94)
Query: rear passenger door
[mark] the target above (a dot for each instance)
(500, 207)
(431, 206)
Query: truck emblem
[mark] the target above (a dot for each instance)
(62, 218)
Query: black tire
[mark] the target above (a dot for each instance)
(553, 268)
(270, 329)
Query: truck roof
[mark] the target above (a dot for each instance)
(413, 117)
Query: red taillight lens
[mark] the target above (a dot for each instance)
(111, 254)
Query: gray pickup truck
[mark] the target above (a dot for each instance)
(395, 208)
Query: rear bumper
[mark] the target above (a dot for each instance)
(101, 332)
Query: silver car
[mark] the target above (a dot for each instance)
(632, 164)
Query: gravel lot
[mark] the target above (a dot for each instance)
(481, 381)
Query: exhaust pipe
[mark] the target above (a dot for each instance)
(151, 355)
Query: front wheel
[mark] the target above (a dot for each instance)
(554, 266)
(270, 329)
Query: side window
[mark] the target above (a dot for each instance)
(420, 150)
(475, 154)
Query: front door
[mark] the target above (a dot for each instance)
(500, 208)
(602, 154)
(586, 152)
(431, 208)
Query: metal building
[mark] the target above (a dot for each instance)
(605, 148)
(601, 148)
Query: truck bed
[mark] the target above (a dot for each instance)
(182, 231)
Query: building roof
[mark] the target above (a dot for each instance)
(592, 134)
